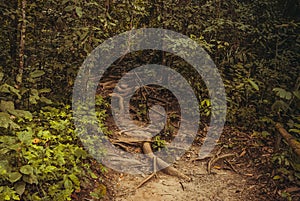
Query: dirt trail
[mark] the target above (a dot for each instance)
(221, 185)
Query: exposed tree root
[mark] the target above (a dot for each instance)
(162, 164)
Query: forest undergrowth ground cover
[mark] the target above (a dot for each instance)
(246, 175)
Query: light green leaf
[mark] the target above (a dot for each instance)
(45, 90)
(26, 169)
(45, 100)
(276, 177)
(36, 73)
(253, 84)
(282, 93)
(19, 78)
(294, 130)
(50, 168)
(79, 11)
(25, 136)
(93, 175)
(74, 179)
(14, 176)
(1, 76)
(4, 151)
(68, 184)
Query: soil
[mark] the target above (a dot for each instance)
(243, 176)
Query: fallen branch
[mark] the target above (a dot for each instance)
(145, 180)
(214, 160)
(292, 142)
(128, 140)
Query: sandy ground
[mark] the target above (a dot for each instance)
(220, 185)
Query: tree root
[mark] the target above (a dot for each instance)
(162, 164)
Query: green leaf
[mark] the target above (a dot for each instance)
(36, 73)
(20, 187)
(25, 136)
(282, 93)
(15, 197)
(19, 78)
(7, 105)
(21, 114)
(69, 8)
(79, 152)
(294, 130)
(50, 168)
(277, 177)
(93, 175)
(45, 100)
(253, 84)
(14, 176)
(45, 90)
(68, 184)
(4, 151)
(78, 11)
(4, 120)
(34, 96)
(1, 76)
(26, 169)
(265, 134)
(297, 94)
(30, 179)
(4, 167)
(5, 88)
(74, 179)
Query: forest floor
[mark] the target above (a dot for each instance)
(243, 176)
(238, 168)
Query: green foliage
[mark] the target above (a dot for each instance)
(42, 153)
(158, 143)
(289, 167)
(254, 44)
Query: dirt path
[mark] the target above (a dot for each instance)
(220, 185)
(232, 178)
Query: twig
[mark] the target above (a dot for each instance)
(145, 180)
(216, 158)
(231, 166)
(181, 185)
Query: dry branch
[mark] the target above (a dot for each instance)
(292, 142)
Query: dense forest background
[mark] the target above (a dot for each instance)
(254, 44)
